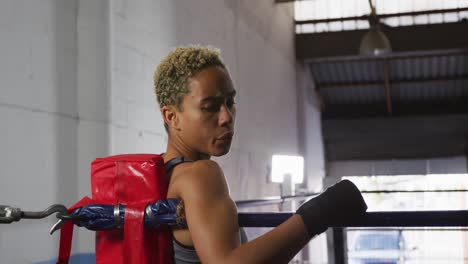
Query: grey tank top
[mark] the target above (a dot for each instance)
(186, 254)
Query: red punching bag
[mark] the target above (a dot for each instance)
(134, 180)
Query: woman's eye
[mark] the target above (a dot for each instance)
(211, 108)
(230, 103)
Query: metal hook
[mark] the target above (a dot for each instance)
(62, 214)
(63, 218)
(10, 214)
(56, 208)
(59, 224)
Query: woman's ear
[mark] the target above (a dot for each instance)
(170, 117)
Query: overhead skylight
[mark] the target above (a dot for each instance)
(326, 9)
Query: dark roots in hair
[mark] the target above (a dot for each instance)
(170, 77)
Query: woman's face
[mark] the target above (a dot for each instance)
(206, 119)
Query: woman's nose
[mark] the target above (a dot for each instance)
(226, 115)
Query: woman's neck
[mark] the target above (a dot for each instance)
(177, 150)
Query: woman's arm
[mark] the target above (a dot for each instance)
(213, 224)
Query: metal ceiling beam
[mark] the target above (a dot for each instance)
(391, 56)
(394, 137)
(409, 38)
(382, 16)
(284, 1)
(388, 95)
(394, 82)
(411, 108)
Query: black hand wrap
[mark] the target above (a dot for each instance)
(342, 200)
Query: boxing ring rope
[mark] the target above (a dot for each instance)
(452, 218)
(280, 199)
(370, 219)
(438, 218)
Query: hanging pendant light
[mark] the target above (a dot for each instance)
(374, 42)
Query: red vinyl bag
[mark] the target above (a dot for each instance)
(134, 180)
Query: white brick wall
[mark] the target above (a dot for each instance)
(77, 84)
(38, 113)
(258, 51)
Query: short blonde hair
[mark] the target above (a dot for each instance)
(170, 77)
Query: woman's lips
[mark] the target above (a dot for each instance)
(226, 136)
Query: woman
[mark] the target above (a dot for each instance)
(196, 98)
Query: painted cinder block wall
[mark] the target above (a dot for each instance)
(77, 84)
(39, 120)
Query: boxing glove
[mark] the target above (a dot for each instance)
(340, 201)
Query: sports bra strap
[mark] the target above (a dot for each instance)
(174, 162)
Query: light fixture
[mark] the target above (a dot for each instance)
(374, 41)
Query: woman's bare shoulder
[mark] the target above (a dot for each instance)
(204, 176)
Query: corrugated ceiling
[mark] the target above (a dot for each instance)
(413, 77)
